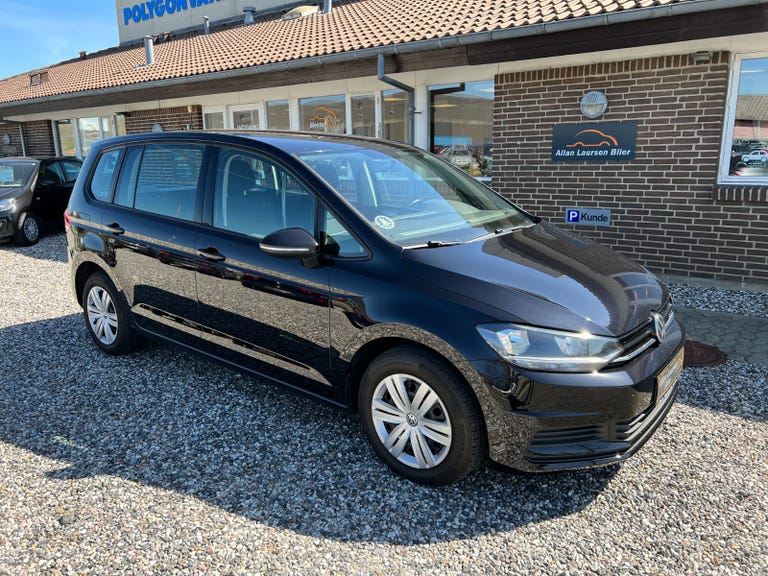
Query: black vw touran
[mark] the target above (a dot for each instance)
(382, 279)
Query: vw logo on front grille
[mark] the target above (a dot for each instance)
(659, 326)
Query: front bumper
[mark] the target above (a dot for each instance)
(7, 225)
(552, 421)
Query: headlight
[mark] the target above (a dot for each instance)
(7, 204)
(550, 350)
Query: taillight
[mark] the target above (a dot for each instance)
(67, 221)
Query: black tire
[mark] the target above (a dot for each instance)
(106, 316)
(424, 453)
(28, 229)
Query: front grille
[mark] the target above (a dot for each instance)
(643, 337)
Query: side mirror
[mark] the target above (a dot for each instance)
(291, 243)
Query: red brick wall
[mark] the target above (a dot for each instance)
(39, 139)
(14, 147)
(180, 118)
(667, 211)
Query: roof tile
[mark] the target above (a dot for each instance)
(352, 25)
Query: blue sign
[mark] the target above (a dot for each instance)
(159, 8)
(588, 216)
(594, 142)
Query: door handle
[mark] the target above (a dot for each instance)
(115, 228)
(211, 253)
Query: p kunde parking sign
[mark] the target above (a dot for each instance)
(588, 216)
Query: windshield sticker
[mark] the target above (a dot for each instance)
(384, 222)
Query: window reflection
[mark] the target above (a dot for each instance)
(324, 114)
(461, 130)
(749, 145)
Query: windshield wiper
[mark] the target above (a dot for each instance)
(433, 244)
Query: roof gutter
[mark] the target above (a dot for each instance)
(636, 15)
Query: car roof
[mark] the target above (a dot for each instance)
(293, 143)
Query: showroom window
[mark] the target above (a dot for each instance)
(324, 114)
(745, 148)
(363, 110)
(245, 118)
(213, 120)
(461, 125)
(278, 115)
(394, 115)
(74, 137)
(65, 133)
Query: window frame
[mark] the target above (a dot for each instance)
(729, 123)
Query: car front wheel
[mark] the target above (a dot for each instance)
(106, 316)
(421, 417)
(28, 229)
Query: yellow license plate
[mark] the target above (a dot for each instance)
(667, 377)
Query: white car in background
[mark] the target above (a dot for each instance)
(756, 156)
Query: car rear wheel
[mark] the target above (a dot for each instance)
(421, 417)
(106, 316)
(28, 229)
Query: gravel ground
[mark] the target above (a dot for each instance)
(165, 463)
(719, 300)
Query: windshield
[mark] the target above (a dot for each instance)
(15, 174)
(413, 198)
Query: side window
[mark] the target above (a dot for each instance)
(103, 178)
(167, 181)
(338, 240)
(50, 173)
(126, 182)
(70, 169)
(255, 196)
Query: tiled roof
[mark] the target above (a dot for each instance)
(352, 25)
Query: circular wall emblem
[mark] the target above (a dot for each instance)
(593, 104)
(384, 222)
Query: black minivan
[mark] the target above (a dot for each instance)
(379, 278)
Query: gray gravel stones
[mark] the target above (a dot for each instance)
(753, 304)
(165, 463)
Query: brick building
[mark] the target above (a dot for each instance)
(493, 85)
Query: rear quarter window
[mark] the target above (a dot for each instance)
(103, 180)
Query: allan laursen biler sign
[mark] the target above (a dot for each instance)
(594, 142)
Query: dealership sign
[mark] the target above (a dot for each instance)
(594, 142)
(159, 8)
(588, 216)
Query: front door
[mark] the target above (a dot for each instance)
(266, 314)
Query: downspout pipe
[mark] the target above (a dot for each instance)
(409, 89)
(327, 6)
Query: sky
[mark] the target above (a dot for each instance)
(37, 33)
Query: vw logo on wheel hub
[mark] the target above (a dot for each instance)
(412, 419)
